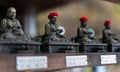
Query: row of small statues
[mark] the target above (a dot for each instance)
(11, 30)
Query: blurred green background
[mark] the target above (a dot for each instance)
(97, 12)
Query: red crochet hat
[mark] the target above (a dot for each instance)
(107, 22)
(53, 14)
(83, 18)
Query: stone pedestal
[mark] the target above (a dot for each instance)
(59, 47)
(92, 47)
(19, 47)
(113, 47)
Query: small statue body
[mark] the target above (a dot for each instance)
(83, 34)
(108, 35)
(10, 27)
(53, 32)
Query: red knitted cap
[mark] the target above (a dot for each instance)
(107, 22)
(83, 18)
(53, 14)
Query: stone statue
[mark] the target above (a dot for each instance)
(10, 27)
(108, 35)
(52, 31)
(83, 33)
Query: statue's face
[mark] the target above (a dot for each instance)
(83, 23)
(11, 12)
(107, 26)
(53, 19)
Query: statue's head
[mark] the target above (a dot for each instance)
(83, 20)
(11, 12)
(53, 17)
(107, 24)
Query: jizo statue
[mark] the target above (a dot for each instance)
(108, 35)
(10, 27)
(83, 33)
(52, 30)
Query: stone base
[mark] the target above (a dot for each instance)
(113, 47)
(92, 47)
(19, 47)
(59, 47)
